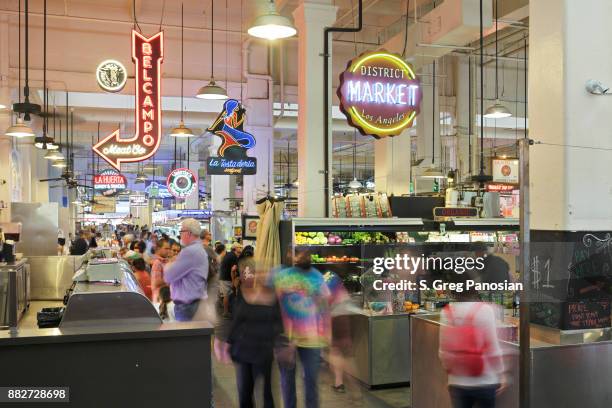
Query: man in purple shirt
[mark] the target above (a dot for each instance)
(188, 274)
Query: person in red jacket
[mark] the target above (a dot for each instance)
(142, 276)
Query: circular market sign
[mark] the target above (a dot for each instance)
(379, 94)
(182, 182)
(111, 75)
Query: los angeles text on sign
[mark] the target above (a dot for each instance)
(147, 54)
(379, 94)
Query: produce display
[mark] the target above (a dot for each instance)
(315, 258)
(343, 238)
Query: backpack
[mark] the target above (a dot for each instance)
(462, 347)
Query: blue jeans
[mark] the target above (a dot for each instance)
(184, 312)
(246, 378)
(310, 359)
(468, 397)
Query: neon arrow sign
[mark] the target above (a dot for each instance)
(148, 54)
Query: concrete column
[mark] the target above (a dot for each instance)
(392, 164)
(571, 189)
(258, 104)
(311, 18)
(5, 121)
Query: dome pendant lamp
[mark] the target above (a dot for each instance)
(181, 130)
(271, 25)
(497, 110)
(212, 91)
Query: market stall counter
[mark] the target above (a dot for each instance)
(575, 375)
(110, 346)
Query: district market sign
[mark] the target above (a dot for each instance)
(379, 94)
(182, 182)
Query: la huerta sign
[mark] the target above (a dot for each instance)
(110, 182)
(379, 94)
(232, 154)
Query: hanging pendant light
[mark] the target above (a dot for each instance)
(497, 110)
(181, 130)
(26, 107)
(45, 142)
(212, 91)
(61, 163)
(140, 177)
(271, 25)
(481, 178)
(433, 173)
(54, 155)
(19, 129)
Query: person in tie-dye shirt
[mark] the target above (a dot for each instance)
(304, 299)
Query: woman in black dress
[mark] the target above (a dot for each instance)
(255, 327)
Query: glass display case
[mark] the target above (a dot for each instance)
(352, 248)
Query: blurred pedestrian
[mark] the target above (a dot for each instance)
(304, 302)
(470, 351)
(188, 272)
(165, 307)
(160, 258)
(255, 327)
(228, 264)
(139, 268)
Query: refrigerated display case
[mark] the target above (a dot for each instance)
(380, 327)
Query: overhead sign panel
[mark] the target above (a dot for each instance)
(110, 182)
(379, 94)
(182, 183)
(232, 154)
(148, 54)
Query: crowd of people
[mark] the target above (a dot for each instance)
(285, 314)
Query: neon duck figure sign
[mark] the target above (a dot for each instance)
(147, 54)
(232, 157)
(379, 94)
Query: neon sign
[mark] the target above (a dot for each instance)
(148, 54)
(182, 182)
(379, 94)
(110, 182)
(232, 154)
(111, 75)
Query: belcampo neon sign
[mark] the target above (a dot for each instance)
(379, 94)
(147, 54)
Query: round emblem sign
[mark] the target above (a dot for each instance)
(379, 94)
(181, 183)
(111, 75)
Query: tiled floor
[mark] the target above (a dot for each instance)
(356, 396)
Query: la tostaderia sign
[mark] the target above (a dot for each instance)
(379, 94)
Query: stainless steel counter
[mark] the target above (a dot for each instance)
(104, 365)
(561, 375)
(380, 348)
(14, 292)
(51, 276)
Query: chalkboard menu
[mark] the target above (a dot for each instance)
(587, 315)
(571, 279)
